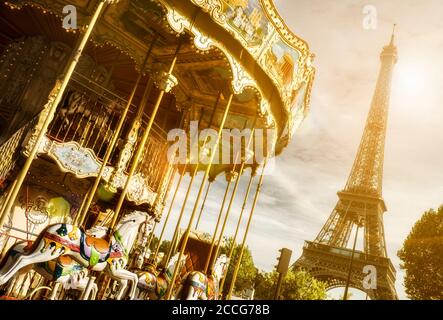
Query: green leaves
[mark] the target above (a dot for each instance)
(297, 285)
(422, 256)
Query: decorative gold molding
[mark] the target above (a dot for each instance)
(276, 33)
(139, 192)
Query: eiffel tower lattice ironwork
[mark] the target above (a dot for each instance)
(360, 205)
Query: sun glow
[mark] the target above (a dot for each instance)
(411, 82)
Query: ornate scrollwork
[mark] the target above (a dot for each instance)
(165, 81)
(214, 8)
(118, 177)
(231, 176)
(36, 209)
(139, 192)
(176, 21)
(72, 157)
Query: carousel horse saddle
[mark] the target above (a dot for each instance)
(65, 261)
(101, 245)
(96, 250)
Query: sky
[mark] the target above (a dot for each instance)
(300, 195)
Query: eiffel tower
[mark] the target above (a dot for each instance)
(360, 205)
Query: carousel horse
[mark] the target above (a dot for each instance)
(64, 270)
(198, 286)
(93, 253)
(76, 103)
(154, 284)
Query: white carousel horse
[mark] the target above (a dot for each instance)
(154, 284)
(198, 286)
(90, 252)
(64, 270)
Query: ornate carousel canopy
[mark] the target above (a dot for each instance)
(237, 45)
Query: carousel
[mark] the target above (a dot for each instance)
(113, 110)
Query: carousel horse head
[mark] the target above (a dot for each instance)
(133, 221)
(173, 262)
(220, 266)
(130, 223)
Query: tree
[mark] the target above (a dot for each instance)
(164, 246)
(297, 285)
(422, 256)
(247, 271)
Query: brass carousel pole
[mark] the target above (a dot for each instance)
(217, 225)
(234, 239)
(151, 237)
(231, 201)
(165, 86)
(197, 200)
(90, 195)
(242, 248)
(160, 239)
(49, 110)
(194, 173)
(162, 233)
(203, 203)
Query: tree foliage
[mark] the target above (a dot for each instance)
(164, 246)
(247, 272)
(297, 285)
(422, 256)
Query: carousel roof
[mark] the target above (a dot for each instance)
(232, 45)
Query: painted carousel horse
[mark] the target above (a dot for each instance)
(93, 253)
(154, 284)
(64, 270)
(198, 286)
(77, 104)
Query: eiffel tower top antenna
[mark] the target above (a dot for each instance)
(393, 34)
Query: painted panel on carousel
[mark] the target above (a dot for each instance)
(248, 20)
(74, 158)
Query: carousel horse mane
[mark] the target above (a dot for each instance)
(129, 216)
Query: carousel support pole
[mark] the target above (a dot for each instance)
(197, 200)
(228, 211)
(193, 175)
(90, 196)
(151, 236)
(50, 108)
(103, 288)
(234, 239)
(4, 243)
(8, 195)
(55, 290)
(242, 248)
(166, 84)
(162, 233)
(203, 203)
(80, 210)
(87, 292)
(217, 225)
